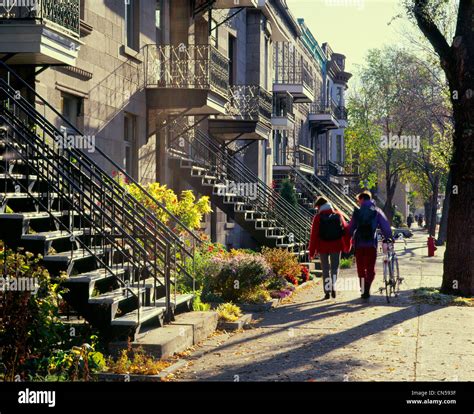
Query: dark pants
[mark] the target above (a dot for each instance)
(365, 259)
(330, 270)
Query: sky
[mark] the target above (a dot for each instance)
(352, 27)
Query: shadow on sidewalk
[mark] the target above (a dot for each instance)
(293, 317)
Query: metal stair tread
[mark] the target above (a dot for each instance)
(51, 235)
(77, 254)
(116, 295)
(13, 195)
(95, 275)
(18, 176)
(31, 215)
(181, 298)
(131, 318)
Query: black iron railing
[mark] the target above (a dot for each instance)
(250, 102)
(64, 14)
(135, 237)
(187, 67)
(283, 105)
(337, 111)
(312, 187)
(294, 74)
(305, 157)
(206, 152)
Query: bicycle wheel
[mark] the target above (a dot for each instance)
(396, 276)
(387, 278)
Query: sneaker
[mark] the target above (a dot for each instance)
(333, 294)
(326, 296)
(365, 295)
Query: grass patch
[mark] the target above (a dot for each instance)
(433, 296)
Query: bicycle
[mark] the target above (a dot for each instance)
(391, 270)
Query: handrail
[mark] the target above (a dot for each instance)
(45, 175)
(89, 182)
(311, 188)
(106, 157)
(63, 13)
(296, 221)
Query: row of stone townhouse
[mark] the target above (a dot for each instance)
(227, 97)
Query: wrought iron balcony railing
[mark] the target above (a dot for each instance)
(339, 112)
(283, 105)
(187, 67)
(294, 75)
(305, 156)
(61, 14)
(250, 102)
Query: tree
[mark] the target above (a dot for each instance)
(382, 109)
(456, 57)
(287, 191)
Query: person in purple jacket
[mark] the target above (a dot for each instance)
(363, 229)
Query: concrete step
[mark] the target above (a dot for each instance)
(186, 330)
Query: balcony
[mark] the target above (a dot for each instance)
(248, 115)
(323, 116)
(192, 78)
(230, 4)
(341, 115)
(305, 159)
(283, 118)
(295, 80)
(46, 33)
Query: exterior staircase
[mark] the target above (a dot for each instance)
(309, 187)
(120, 263)
(214, 171)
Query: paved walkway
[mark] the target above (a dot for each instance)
(346, 339)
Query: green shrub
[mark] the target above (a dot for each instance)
(287, 191)
(199, 305)
(398, 219)
(346, 263)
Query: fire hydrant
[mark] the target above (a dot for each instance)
(431, 246)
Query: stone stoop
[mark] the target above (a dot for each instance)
(186, 330)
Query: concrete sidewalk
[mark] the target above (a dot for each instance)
(347, 339)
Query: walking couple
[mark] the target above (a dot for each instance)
(331, 235)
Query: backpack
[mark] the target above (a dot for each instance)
(330, 227)
(366, 223)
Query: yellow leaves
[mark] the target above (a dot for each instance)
(185, 207)
(229, 312)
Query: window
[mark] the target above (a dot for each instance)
(130, 152)
(82, 9)
(265, 81)
(339, 149)
(71, 108)
(158, 14)
(214, 33)
(339, 95)
(327, 94)
(232, 60)
(131, 24)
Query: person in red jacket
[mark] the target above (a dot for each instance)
(329, 237)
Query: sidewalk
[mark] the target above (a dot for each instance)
(346, 339)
